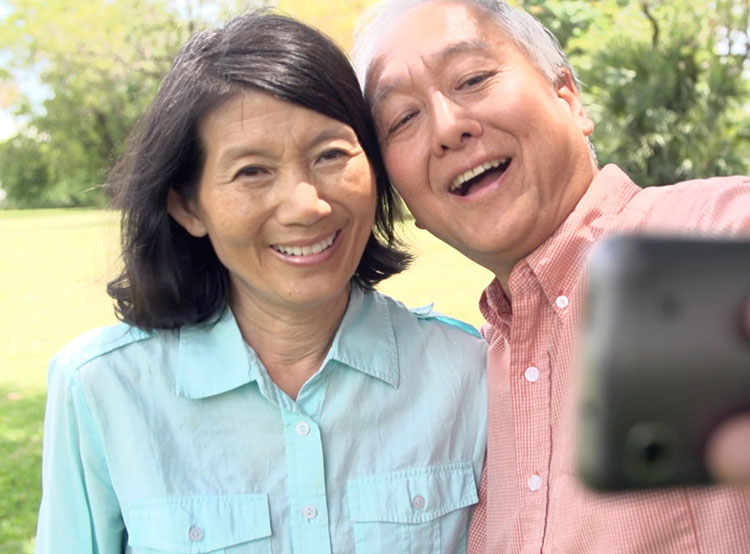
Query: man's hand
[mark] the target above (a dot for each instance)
(728, 449)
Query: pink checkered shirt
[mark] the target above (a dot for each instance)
(530, 498)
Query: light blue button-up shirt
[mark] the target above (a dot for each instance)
(179, 442)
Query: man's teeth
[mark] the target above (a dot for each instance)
(305, 250)
(471, 173)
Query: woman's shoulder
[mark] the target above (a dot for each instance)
(99, 342)
(452, 352)
(428, 317)
(429, 334)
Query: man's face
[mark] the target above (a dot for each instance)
(488, 155)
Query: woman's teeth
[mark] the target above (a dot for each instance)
(305, 250)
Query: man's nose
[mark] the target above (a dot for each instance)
(452, 125)
(301, 204)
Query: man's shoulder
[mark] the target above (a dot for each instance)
(703, 187)
(717, 204)
(697, 189)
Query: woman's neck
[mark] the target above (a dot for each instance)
(292, 344)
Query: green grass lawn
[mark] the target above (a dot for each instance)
(55, 264)
(54, 267)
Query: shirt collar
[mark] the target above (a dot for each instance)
(365, 340)
(557, 263)
(214, 358)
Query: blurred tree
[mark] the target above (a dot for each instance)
(25, 174)
(669, 101)
(666, 81)
(663, 79)
(566, 19)
(9, 92)
(102, 62)
(336, 18)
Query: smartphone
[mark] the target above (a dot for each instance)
(664, 357)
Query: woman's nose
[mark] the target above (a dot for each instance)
(302, 205)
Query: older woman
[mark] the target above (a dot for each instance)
(259, 395)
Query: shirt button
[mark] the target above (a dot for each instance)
(302, 428)
(195, 533)
(535, 483)
(531, 374)
(309, 512)
(562, 301)
(418, 502)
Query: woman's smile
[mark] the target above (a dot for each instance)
(305, 250)
(287, 199)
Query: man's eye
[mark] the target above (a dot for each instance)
(473, 81)
(402, 121)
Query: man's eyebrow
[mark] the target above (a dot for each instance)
(436, 60)
(473, 46)
(381, 94)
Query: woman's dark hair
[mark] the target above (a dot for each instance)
(171, 278)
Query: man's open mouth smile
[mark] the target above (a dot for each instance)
(467, 179)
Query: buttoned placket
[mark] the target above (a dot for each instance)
(305, 461)
(307, 484)
(530, 389)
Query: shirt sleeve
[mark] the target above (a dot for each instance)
(79, 512)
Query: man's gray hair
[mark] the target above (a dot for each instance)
(533, 39)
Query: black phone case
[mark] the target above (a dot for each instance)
(663, 356)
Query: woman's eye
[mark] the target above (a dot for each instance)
(331, 155)
(250, 171)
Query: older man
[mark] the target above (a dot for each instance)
(485, 137)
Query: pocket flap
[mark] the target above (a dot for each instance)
(196, 524)
(414, 495)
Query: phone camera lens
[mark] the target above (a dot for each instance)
(651, 453)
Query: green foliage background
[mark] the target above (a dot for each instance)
(667, 81)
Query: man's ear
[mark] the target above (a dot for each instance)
(183, 212)
(567, 91)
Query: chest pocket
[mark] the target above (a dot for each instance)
(413, 511)
(221, 524)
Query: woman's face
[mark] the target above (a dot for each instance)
(287, 199)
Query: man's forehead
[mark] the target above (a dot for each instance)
(388, 72)
(443, 31)
(430, 25)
